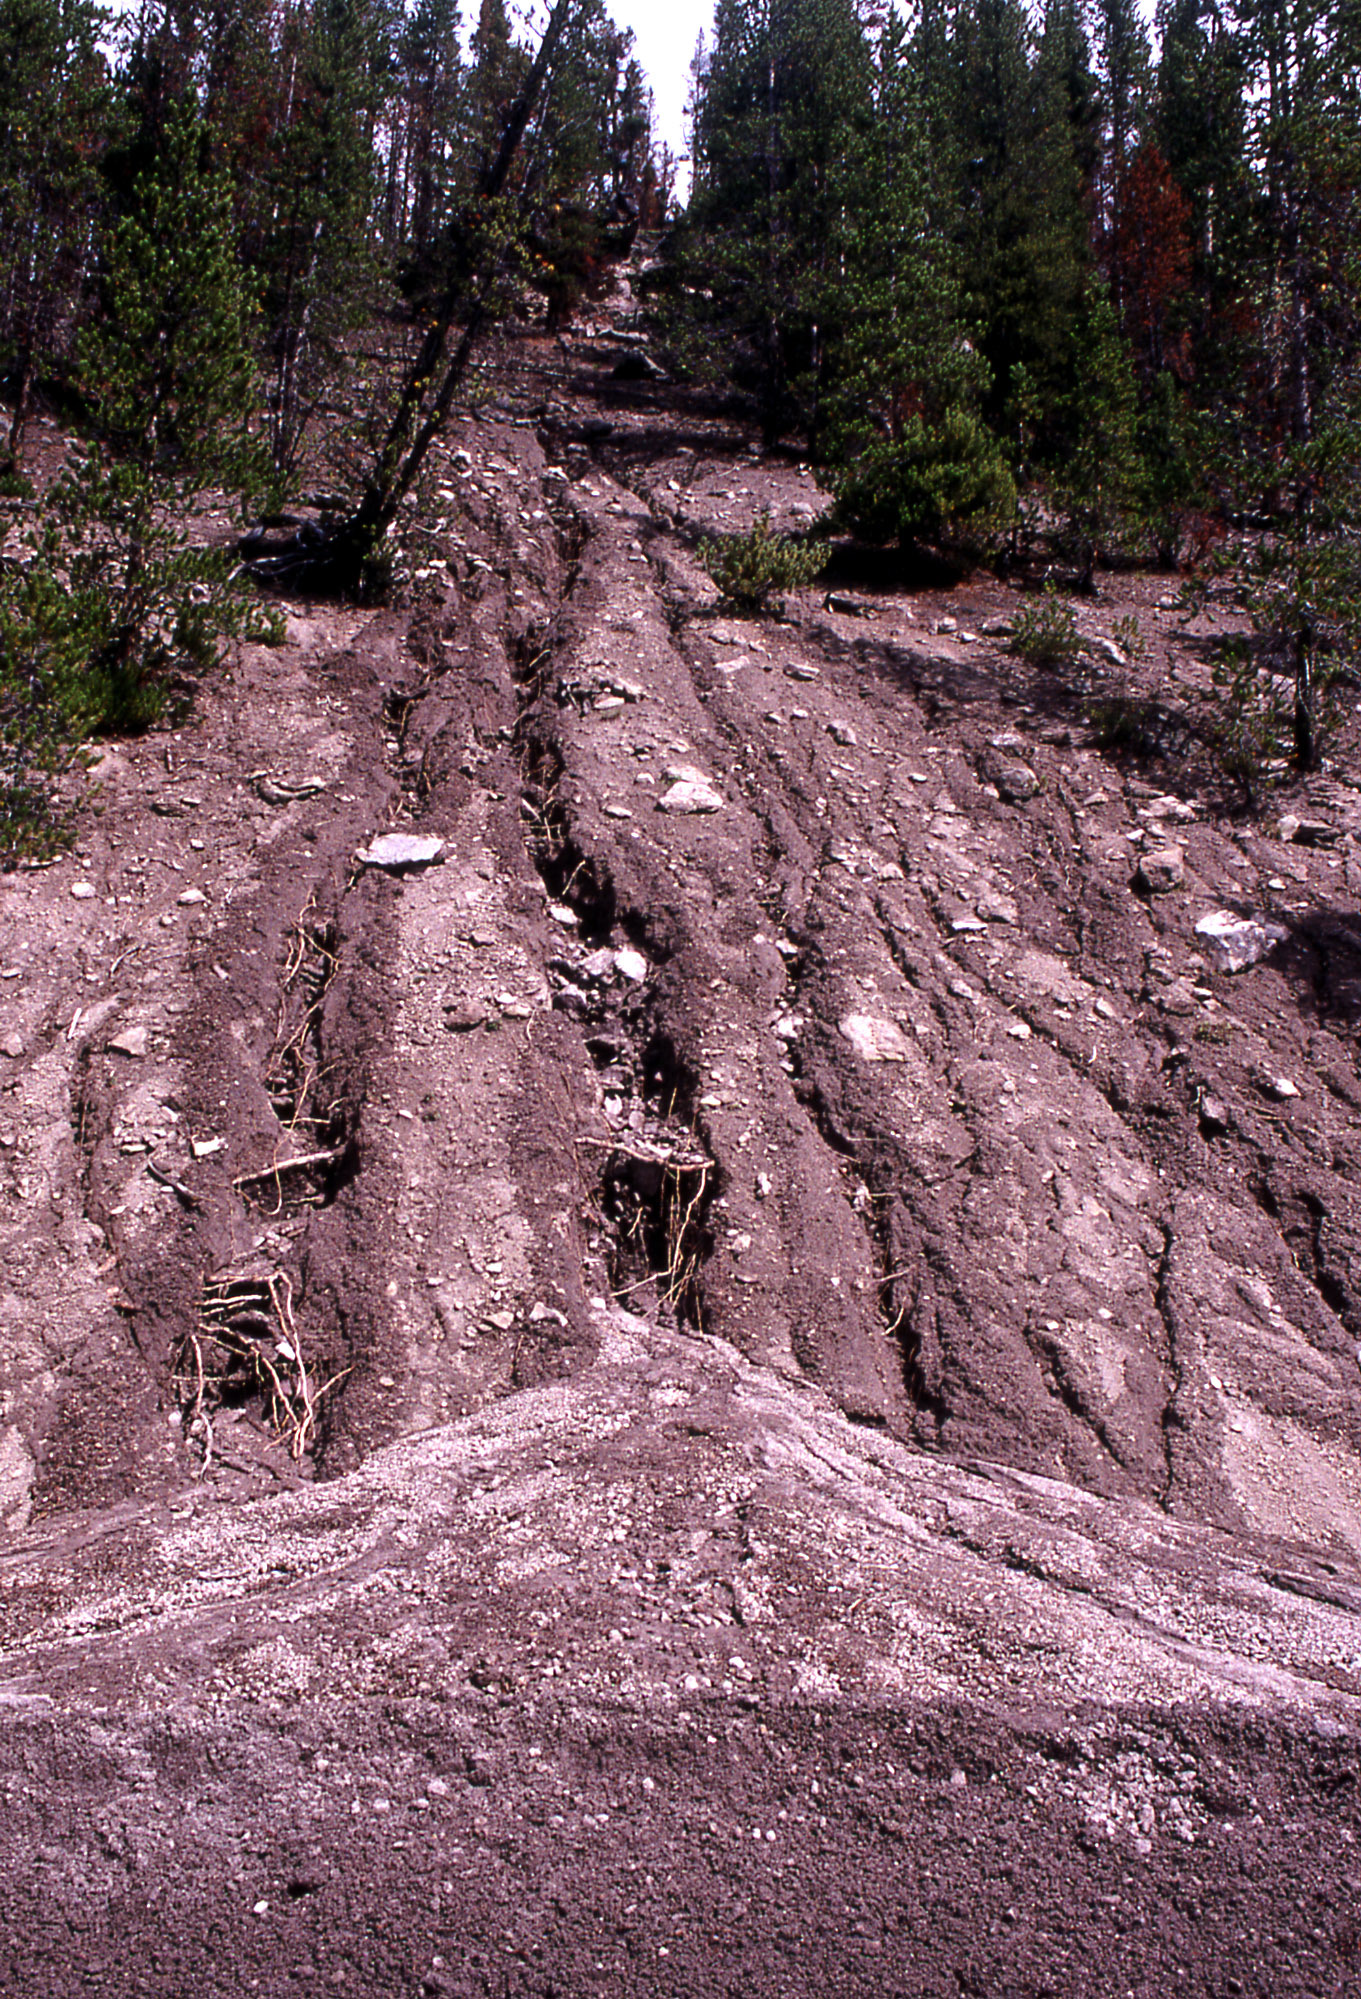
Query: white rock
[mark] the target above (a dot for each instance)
(132, 1042)
(13, 1046)
(191, 897)
(83, 891)
(560, 913)
(691, 791)
(632, 965)
(872, 1039)
(396, 852)
(1233, 943)
(843, 733)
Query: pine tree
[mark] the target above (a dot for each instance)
(900, 441)
(1095, 477)
(53, 109)
(1200, 128)
(785, 90)
(1023, 226)
(114, 606)
(1126, 87)
(308, 231)
(431, 69)
(170, 379)
(496, 76)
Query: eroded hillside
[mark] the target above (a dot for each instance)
(771, 1314)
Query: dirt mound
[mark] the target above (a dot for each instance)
(769, 1280)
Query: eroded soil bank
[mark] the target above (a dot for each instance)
(749, 1382)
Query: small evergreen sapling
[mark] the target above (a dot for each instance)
(753, 569)
(113, 610)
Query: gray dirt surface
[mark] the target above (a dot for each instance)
(748, 1380)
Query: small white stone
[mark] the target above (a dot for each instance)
(690, 792)
(191, 897)
(1235, 943)
(872, 1039)
(397, 851)
(83, 891)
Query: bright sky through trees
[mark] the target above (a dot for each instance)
(666, 32)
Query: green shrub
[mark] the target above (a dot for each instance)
(110, 613)
(752, 569)
(934, 482)
(1045, 632)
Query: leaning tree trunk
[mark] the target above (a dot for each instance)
(434, 378)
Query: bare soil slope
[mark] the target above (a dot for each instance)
(749, 1381)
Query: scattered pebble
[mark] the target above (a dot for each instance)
(1280, 1087)
(83, 891)
(132, 1042)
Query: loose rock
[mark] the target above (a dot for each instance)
(1015, 781)
(1235, 943)
(690, 791)
(874, 1040)
(395, 853)
(1161, 871)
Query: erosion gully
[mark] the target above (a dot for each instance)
(784, 1035)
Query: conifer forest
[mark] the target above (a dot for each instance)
(680, 992)
(1008, 277)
